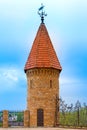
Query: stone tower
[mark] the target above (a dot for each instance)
(42, 70)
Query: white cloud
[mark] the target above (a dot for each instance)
(73, 89)
(66, 81)
(72, 82)
(10, 78)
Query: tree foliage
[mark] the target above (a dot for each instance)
(73, 115)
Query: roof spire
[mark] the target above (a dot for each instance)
(42, 54)
(42, 13)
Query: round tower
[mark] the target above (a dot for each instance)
(42, 70)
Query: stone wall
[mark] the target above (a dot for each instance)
(43, 87)
(5, 119)
(26, 118)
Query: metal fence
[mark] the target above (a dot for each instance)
(1, 118)
(16, 118)
(73, 115)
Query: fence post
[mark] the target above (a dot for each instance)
(5, 119)
(78, 116)
(26, 118)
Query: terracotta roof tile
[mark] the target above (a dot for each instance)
(42, 53)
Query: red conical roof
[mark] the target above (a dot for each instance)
(42, 54)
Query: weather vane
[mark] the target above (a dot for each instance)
(42, 13)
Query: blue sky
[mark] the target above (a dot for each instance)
(67, 26)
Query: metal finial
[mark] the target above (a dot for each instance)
(42, 13)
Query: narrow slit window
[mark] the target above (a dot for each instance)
(31, 82)
(50, 83)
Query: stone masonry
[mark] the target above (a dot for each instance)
(42, 94)
(26, 118)
(5, 119)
